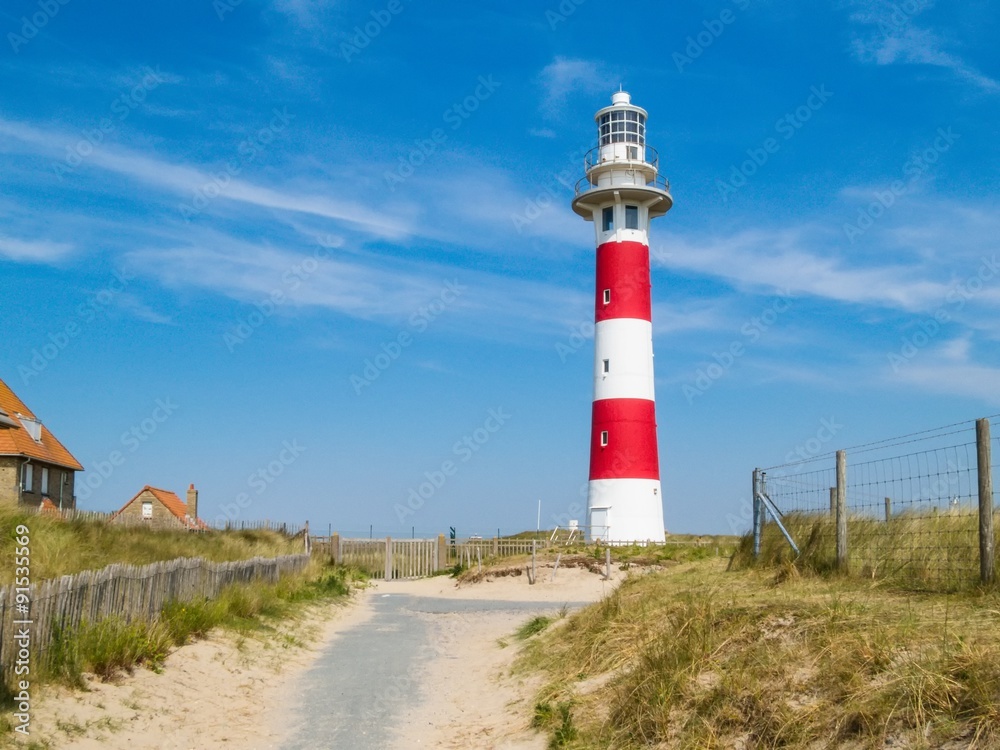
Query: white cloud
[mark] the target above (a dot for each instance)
(184, 180)
(33, 251)
(565, 76)
(780, 260)
(899, 41)
(949, 369)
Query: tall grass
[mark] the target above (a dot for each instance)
(65, 547)
(697, 658)
(937, 552)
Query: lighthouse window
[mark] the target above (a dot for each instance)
(607, 296)
(607, 366)
(608, 219)
(631, 217)
(604, 438)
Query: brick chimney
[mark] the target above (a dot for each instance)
(192, 502)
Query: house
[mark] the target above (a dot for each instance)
(161, 509)
(34, 465)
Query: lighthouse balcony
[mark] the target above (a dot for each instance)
(626, 179)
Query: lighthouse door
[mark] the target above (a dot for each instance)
(599, 528)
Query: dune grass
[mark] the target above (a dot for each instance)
(697, 657)
(65, 547)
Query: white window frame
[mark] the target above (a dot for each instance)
(606, 366)
(634, 211)
(147, 509)
(607, 296)
(45, 480)
(604, 438)
(27, 477)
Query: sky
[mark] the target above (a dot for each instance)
(316, 257)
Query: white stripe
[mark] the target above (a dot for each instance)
(625, 510)
(627, 345)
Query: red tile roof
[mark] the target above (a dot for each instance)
(172, 503)
(15, 441)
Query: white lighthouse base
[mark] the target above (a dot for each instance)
(625, 510)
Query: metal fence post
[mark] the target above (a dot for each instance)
(842, 511)
(756, 515)
(986, 551)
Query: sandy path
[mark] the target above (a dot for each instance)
(407, 664)
(213, 693)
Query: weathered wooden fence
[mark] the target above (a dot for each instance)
(132, 592)
(389, 558)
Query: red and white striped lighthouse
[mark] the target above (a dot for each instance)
(621, 192)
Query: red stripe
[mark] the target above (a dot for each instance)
(623, 267)
(631, 449)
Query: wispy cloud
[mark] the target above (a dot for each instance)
(566, 76)
(33, 251)
(780, 260)
(899, 41)
(183, 180)
(950, 369)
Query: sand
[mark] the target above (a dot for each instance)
(227, 692)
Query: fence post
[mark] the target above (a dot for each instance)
(756, 515)
(842, 511)
(442, 553)
(833, 502)
(335, 549)
(388, 558)
(986, 550)
(888, 509)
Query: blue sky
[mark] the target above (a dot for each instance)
(311, 255)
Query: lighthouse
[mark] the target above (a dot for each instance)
(621, 191)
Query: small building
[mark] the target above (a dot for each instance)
(34, 466)
(161, 509)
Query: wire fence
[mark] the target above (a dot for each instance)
(912, 509)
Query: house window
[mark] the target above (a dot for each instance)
(147, 509)
(633, 153)
(607, 296)
(45, 481)
(604, 438)
(607, 366)
(631, 217)
(28, 478)
(608, 219)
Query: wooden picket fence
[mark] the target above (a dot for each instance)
(132, 592)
